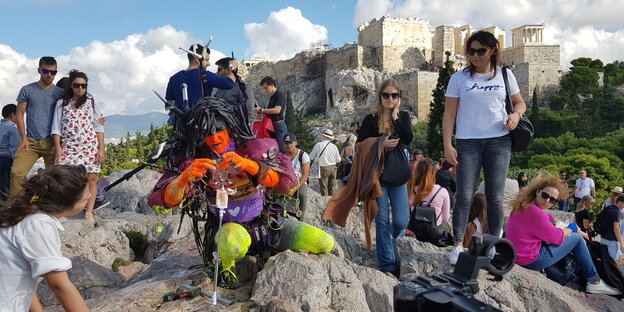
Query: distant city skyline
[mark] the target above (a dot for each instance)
(129, 48)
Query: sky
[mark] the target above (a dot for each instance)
(129, 47)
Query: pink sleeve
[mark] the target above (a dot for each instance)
(446, 205)
(547, 232)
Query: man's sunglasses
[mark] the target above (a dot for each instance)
(480, 52)
(388, 95)
(551, 199)
(49, 72)
(79, 85)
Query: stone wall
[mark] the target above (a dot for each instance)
(443, 40)
(396, 58)
(537, 54)
(416, 88)
(348, 56)
(544, 77)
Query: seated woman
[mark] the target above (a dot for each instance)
(539, 244)
(421, 188)
(582, 216)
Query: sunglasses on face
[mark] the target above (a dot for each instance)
(79, 85)
(388, 95)
(551, 199)
(480, 52)
(49, 72)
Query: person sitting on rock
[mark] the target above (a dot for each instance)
(539, 244)
(222, 153)
(30, 246)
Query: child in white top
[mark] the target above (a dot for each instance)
(30, 246)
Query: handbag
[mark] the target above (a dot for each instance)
(396, 170)
(522, 135)
(424, 224)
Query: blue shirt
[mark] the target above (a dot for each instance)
(9, 138)
(39, 109)
(194, 90)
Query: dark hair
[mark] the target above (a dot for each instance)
(54, 189)
(446, 165)
(47, 60)
(619, 199)
(224, 62)
(63, 83)
(487, 39)
(522, 183)
(478, 209)
(8, 110)
(69, 92)
(197, 48)
(561, 172)
(268, 81)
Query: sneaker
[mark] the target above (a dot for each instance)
(455, 254)
(100, 203)
(602, 288)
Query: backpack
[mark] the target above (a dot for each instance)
(607, 268)
(424, 224)
(564, 270)
(600, 226)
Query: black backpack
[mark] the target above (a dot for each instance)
(600, 226)
(424, 224)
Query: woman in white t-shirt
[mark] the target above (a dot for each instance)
(30, 246)
(475, 104)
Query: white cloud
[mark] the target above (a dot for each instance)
(121, 73)
(285, 33)
(577, 25)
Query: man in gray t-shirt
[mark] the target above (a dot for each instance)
(37, 100)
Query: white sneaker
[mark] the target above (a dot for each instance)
(602, 288)
(455, 254)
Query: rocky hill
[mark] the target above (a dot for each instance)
(345, 280)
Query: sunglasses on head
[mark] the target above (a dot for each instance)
(48, 72)
(388, 95)
(547, 196)
(480, 52)
(79, 85)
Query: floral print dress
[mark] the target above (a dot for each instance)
(77, 128)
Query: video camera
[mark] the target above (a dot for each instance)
(454, 291)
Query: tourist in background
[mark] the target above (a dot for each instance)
(475, 103)
(30, 246)
(582, 215)
(539, 244)
(417, 155)
(327, 155)
(615, 192)
(477, 219)
(564, 202)
(9, 138)
(422, 187)
(523, 180)
(584, 186)
(611, 237)
(446, 179)
(388, 120)
(78, 135)
(346, 156)
(301, 164)
(275, 110)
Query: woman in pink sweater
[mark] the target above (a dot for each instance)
(539, 244)
(421, 188)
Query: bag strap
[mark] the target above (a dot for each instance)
(300, 156)
(319, 156)
(433, 197)
(508, 106)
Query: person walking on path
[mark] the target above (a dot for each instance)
(327, 155)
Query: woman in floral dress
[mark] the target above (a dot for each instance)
(77, 133)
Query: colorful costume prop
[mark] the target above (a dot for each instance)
(220, 153)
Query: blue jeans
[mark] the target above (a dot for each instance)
(564, 205)
(493, 154)
(99, 193)
(550, 254)
(280, 133)
(394, 197)
(5, 173)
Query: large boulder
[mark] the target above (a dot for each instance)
(131, 194)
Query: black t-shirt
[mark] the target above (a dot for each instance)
(610, 215)
(402, 128)
(579, 216)
(277, 99)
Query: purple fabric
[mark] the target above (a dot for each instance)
(242, 209)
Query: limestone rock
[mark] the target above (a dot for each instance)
(131, 195)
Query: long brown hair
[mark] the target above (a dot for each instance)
(68, 94)
(527, 195)
(584, 203)
(478, 210)
(487, 39)
(384, 124)
(423, 176)
(52, 190)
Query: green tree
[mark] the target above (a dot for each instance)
(534, 103)
(436, 109)
(297, 123)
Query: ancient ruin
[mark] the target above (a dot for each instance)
(341, 82)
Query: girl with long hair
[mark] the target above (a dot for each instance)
(389, 120)
(540, 244)
(475, 103)
(78, 134)
(422, 188)
(582, 215)
(30, 246)
(477, 219)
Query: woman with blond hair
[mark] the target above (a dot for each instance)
(421, 188)
(388, 120)
(539, 244)
(582, 216)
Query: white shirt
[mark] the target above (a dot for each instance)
(305, 158)
(583, 187)
(481, 110)
(329, 157)
(28, 250)
(87, 106)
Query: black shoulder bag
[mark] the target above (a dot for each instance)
(522, 135)
(397, 170)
